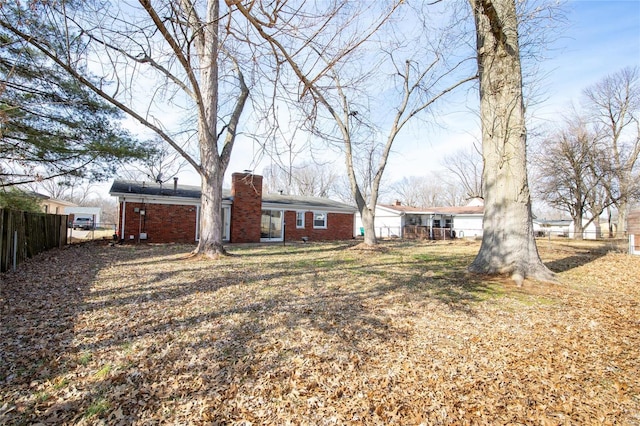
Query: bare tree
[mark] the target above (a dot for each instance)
(508, 244)
(75, 189)
(420, 191)
(60, 188)
(172, 53)
(161, 165)
(570, 173)
(109, 207)
(614, 103)
(338, 94)
(466, 166)
(309, 179)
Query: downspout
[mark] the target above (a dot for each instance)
(198, 222)
(124, 208)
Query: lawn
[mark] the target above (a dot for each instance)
(318, 334)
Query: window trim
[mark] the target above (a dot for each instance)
(300, 214)
(326, 217)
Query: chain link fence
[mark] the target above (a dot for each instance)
(100, 231)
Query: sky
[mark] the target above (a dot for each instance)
(600, 37)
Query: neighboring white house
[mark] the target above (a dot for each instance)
(553, 228)
(401, 221)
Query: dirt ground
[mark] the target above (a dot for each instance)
(314, 334)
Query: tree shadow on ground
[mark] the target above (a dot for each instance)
(575, 256)
(40, 302)
(154, 340)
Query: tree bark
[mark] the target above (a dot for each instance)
(210, 242)
(368, 223)
(508, 243)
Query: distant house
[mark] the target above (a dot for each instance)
(397, 220)
(553, 228)
(53, 205)
(633, 228)
(163, 214)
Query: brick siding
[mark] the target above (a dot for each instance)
(163, 223)
(339, 227)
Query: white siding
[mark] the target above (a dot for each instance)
(387, 224)
(468, 226)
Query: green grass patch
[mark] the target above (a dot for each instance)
(103, 372)
(60, 383)
(97, 408)
(85, 358)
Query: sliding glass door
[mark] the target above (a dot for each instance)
(271, 225)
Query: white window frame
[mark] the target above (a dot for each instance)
(325, 220)
(300, 215)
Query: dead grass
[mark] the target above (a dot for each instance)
(317, 334)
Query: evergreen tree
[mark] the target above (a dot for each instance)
(51, 125)
(15, 199)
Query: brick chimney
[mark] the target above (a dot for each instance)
(246, 210)
(398, 203)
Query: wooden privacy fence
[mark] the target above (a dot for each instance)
(24, 234)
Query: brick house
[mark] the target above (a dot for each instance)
(163, 214)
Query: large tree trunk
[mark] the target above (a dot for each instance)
(210, 242)
(213, 165)
(508, 243)
(621, 231)
(368, 223)
(578, 229)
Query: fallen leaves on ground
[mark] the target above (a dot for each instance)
(318, 334)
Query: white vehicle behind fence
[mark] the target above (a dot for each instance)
(82, 223)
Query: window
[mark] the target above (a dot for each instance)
(299, 219)
(319, 220)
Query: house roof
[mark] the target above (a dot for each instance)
(125, 187)
(50, 199)
(155, 189)
(302, 202)
(458, 210)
